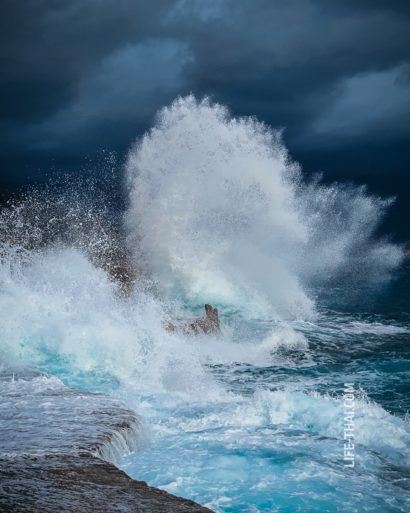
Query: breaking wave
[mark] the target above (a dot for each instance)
(219, 212)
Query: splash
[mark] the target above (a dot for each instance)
(63, 310)
(219, 212)
(63, 315)
(75, 213)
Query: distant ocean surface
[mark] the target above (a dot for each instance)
(314, 308)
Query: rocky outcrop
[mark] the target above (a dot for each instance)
(122, 273)
(58, 448)
(207, 325)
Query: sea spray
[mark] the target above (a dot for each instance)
(77, 213)
(63, 315)
(219, 212)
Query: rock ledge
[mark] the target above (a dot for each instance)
(56, 445)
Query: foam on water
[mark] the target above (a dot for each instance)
(376, 328)
(61, 311)
(64, 314)
(277, 449)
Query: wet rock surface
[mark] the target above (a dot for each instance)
(57, 448)
(207, 325)
(68, 484)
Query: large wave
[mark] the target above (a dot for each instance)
(63, 315)
(219, 212)
(63, 311)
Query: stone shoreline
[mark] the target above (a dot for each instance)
(58, 452)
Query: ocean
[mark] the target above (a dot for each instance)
(302, 402)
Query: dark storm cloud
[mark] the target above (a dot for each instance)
(290, 61)
(87, 74)
(50, 51)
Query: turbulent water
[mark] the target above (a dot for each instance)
(310, 298)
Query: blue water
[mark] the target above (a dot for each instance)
(276, 444)
(252, 420)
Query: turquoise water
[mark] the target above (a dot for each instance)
(276, 444)
(252, 420)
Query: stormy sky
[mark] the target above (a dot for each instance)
(82, 76)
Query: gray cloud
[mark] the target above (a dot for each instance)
(86, 74)
(368, 106)
(286, 61)
(123, 90)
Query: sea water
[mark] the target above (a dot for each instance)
(311, 301)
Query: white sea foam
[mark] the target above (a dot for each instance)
(374, 328)
(59, 309)
(261, 353)
(219, 212)
(311, 413)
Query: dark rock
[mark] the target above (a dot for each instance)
(121, 272)
(207, 325)
(56, 448)
(75, 484)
